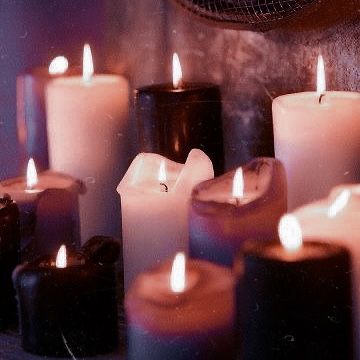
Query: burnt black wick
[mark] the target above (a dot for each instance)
(164, 187)
(321, 97)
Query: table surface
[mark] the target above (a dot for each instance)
(10, 349)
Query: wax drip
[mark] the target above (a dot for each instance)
(164, 187)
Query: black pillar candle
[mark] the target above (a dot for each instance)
(295, 305)
(9, 259)
(172, 121)
(71, 310)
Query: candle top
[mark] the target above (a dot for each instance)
(311, 250)
(185, 88)
(96, 80)
(153, 173)
(207, 300)
(311, 99)
(263, 178)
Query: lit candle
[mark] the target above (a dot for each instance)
(294, 298)
(154, 208)
(67, 306)
(336, 219)
(87, 130)
(49, 210)
(181, 311)
(9, 259)
(175, 118)
(317, 139)
(31, 112)
(239, 205)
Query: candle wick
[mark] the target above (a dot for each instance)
(237, 201)
(321, 97)
(164, 187)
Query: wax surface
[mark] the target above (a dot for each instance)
(218, 224)
(154, 222)
(342, 229)
(317, 143)
(87, 135)
(195, 324)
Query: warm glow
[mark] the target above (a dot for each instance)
(238, 184)
(290, 233)
(339, 203)
(177, 276)
(61, 259)
(31, 175)
(162, 172)
(88, 65)
(321, 79)
(177, 73)
(59, 65)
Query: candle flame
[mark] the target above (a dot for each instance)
(290, 233)
(321, 79)
(238, 184)
(88, 65)
(177, 73)
(339, 203)
(31, 175)
(58, 65)
(162, 172)
(61, 258)
(177, 276)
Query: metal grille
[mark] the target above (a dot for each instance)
(260, 14)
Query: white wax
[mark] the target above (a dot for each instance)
(318, 144)
(343, 229)
(87, 136)
(155, 223)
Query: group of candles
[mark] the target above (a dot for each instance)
(241, 289)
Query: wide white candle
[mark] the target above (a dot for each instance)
(154, 195)
(336, 219)
(87, 119)
(317, 139)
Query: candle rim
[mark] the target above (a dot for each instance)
(187, 87)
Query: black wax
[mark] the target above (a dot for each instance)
(171, 121)
(9, 259)
(300, 309)
(67, 310)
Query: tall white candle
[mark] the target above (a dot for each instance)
(336, 219)
(317, 139)
(154, 208)
(87, 119)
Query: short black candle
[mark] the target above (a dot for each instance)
(295, 305)
(66, 311)
(173, 121)
(9, 259)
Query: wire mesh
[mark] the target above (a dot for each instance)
(261, 13)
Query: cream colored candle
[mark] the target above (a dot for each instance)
(154, 195)
(336, 219)
(87, 119)
(317, 139)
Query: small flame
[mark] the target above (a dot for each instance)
(59, 65)
(238, 184)
(177, 73)
(339, 203)
(61, 258)
(290, 233)
(162, 172)
(88, 65)
(177, 276)
(31, 175)
(321, 79)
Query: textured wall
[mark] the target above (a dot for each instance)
(251, 67)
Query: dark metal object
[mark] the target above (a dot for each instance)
(248, 14)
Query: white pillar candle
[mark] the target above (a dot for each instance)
(87, 119)
(336, 219)
(317, 139)
(155, 222)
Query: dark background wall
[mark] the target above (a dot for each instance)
(137, 37)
